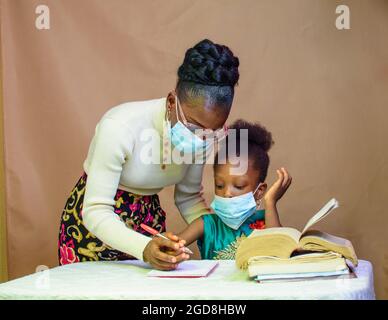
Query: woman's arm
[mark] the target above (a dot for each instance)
(273, 195)
(192, 232)
(104, 172)
(112, 146)
(188, 194)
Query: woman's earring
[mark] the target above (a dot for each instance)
(168, 112)
(166, 143)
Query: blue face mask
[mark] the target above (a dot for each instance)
(234, 211)
(185, 140)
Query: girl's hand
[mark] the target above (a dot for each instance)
(165, 254)
(278, 189)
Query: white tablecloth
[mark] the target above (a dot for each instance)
(128, 280)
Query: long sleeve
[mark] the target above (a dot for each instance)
(188, 194)
(112, 145)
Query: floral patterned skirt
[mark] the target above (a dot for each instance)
(77, 244)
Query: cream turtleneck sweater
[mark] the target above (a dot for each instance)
(114, 161)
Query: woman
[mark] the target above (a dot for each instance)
(118, 189)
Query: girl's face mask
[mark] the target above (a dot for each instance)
(234, 211)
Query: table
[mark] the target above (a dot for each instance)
(128, 280)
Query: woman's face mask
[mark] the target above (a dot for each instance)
(234, 211)
(184, 139)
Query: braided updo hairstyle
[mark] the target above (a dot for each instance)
(209, 70)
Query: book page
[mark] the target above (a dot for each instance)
(317, 241)
(326, 209)
(187, 269)
(291, 232)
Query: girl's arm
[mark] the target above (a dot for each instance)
(273, 195)
(192, 232)
(271, 215)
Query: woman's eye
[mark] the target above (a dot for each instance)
(219, 186)
(239, 187)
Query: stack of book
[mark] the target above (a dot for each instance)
(279, 254)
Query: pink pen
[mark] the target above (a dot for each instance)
(156, 233)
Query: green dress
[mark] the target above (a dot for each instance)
(219, 241)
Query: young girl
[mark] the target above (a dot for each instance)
(239, 197)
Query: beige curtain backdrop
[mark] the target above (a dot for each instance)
(322, 92)
(3, 231)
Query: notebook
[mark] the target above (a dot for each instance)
(339, 276)
(187, 269)
(302, 275)
(298, 264)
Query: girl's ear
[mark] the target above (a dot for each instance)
(261, 191)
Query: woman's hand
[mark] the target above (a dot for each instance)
(165, 254)
(175, 238)
(278, 189)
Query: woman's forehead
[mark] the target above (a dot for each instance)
(207, 115)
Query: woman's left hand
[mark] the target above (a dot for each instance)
(279, 188)
(155, 254)
(175, 238)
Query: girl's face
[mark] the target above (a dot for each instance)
(227, 185)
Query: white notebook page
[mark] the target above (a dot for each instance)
(187, 269)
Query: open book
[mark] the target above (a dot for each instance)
(286, 242)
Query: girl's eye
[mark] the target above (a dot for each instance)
(240, 187)
(219, 186)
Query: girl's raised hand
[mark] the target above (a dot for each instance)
(278, 189)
